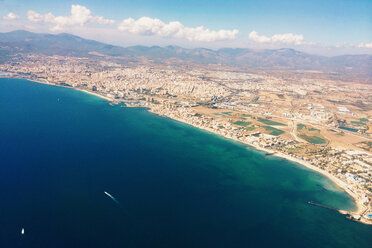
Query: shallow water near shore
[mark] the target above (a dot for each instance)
(177, 186)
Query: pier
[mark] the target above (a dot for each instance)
(322, 206)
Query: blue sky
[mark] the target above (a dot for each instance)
(326, 26)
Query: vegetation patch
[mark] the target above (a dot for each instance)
(360, 123)
(300, 126)
(223, 114)
(273, 131)
(296, 148)
(312, 139)
(242, 123)
(270, 122)
(251, 128)
(313, 129)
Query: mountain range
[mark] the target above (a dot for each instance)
(285, 59)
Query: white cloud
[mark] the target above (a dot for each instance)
(365, 45)
(36, 17)
(153, 26)
(80, 15)
(10, 16)
(288, 38)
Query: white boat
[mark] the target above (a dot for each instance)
(23, 231)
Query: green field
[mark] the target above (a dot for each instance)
(300, 126)
(270, 122)
(242, 123)
(251, 128)
(313, 129)
(295, 148)
(361, 122)
(312, 139)
(274, 131)
(223, 114)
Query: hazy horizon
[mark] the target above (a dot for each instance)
(329, 29)
(191, 47)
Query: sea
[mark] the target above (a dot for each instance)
(78, 172)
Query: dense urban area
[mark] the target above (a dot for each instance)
(321, 123)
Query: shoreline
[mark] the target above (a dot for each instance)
(46, 82)
(94, 94)
(359, 207)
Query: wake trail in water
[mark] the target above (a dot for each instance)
(112, 198)
(133, 221)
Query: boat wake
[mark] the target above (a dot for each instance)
(112, 198)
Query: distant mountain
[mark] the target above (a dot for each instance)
(49, 44)
(25, 42)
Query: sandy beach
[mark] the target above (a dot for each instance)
(95, 94)
(85, 91)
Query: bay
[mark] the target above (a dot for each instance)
(176, 186)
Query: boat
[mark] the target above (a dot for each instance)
(112, 198)
(108, 194)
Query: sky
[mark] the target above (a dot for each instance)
(326, 27)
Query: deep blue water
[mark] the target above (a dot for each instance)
(60, 149)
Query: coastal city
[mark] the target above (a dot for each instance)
(323, 124)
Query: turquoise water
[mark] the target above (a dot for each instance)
(176, 186)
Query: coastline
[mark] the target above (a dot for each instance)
(95, 94)
(360, 208)
(46, 82)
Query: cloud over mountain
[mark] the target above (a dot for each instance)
(10, 16)
(288, 38)
(153, 26)
(80, 15)
(80, 20)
